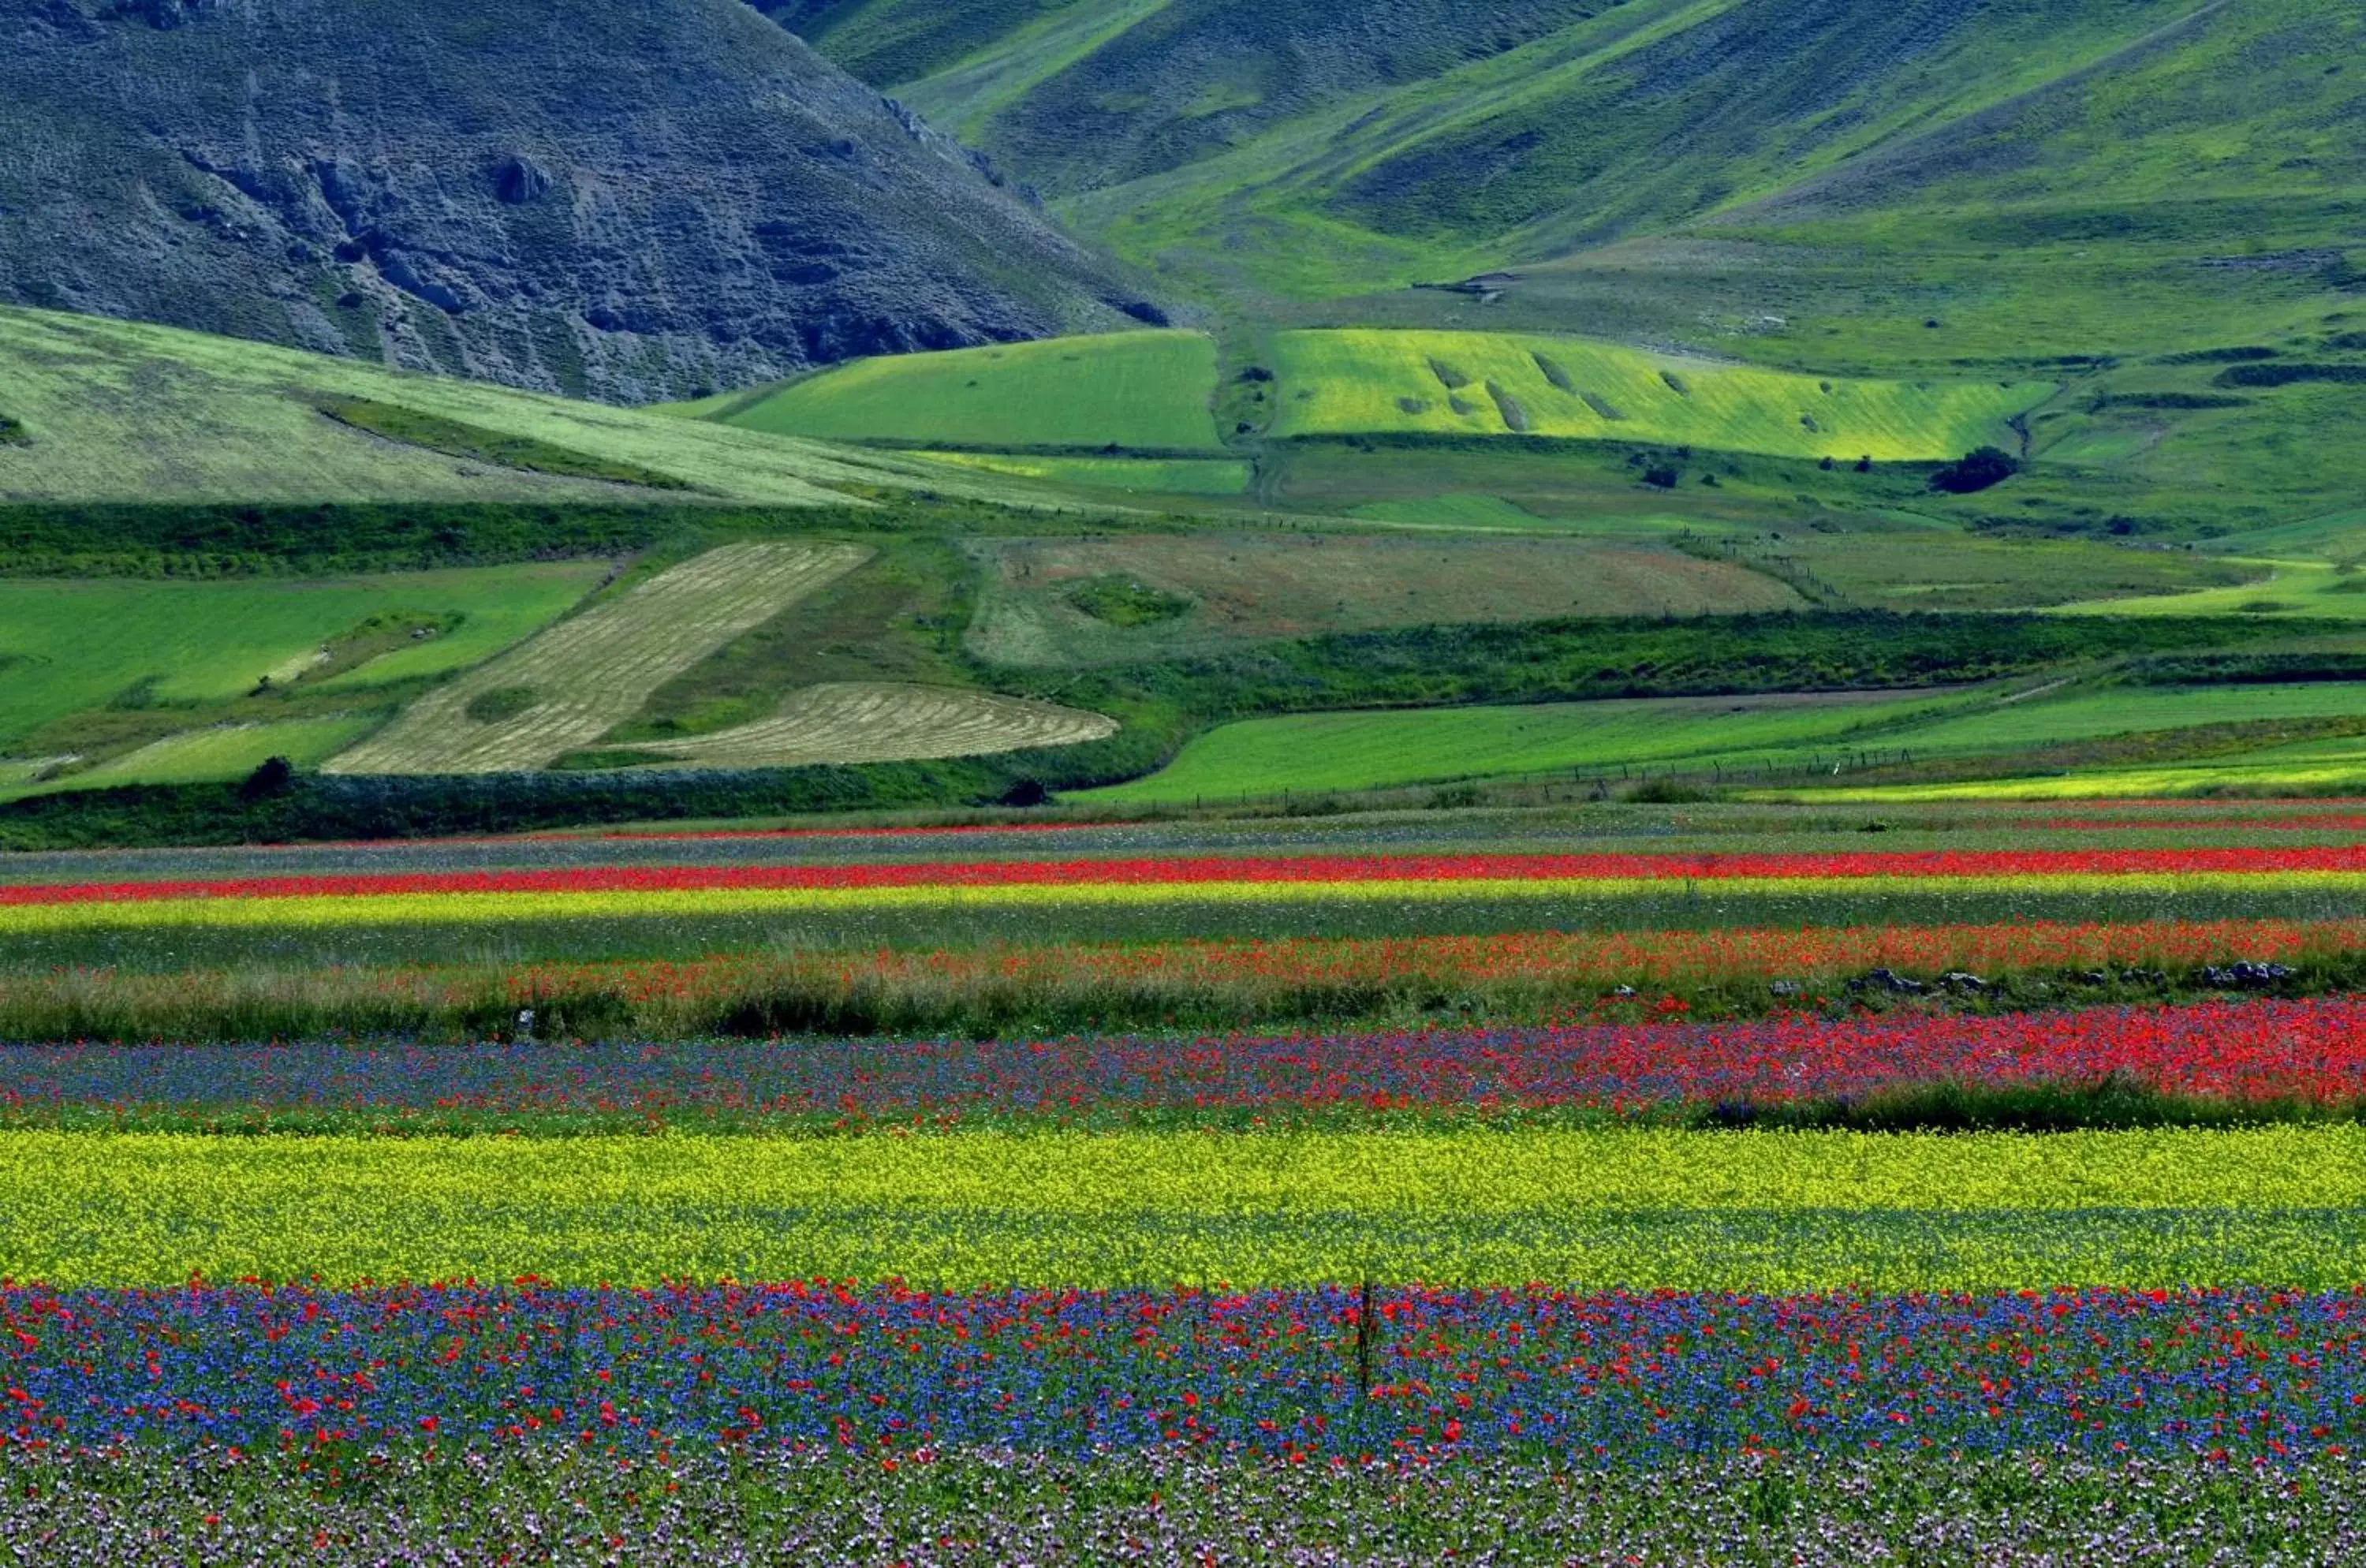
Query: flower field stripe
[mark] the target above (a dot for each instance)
(2240, 1052)
(1744, 1211)
(459, 906)
(1620, 1377)
(1468, 872)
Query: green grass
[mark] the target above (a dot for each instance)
(1183, 477)
(1458, 511)
(453, 438)
(226, 752)
(117, 411)
(1345, 382)
(2340, 534)
(1317, 752)
(1925, 569)
(2286, 588)
(1147, 390)
(82, 646)
(1346, 751)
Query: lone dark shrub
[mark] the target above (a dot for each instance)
(1979, 470)
(1663, 477)
(275, 778)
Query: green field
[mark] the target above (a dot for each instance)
(1332, 383)
(224, 751)
(118, 411)
(1188, 476)
(1146, 391)
(2317, 589)
(1342, 751)
(1316, 752)
(66, 647)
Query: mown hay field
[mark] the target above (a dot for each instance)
(583, 677)
(1147, 389)
(1360, 381)
(888, 722)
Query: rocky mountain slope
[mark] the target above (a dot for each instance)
(631, 201)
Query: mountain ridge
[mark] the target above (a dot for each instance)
(631, 204)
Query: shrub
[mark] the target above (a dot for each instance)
(1982, 470)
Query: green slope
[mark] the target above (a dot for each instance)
(1319, 151)
(116, 411)
(1152, 390)
(1475, 383)
(1134, 389)
(1904, 190)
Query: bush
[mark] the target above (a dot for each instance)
(1982, 470)
(1663, 477)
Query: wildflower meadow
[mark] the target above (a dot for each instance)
(1728, 1188)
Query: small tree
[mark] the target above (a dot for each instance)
(277, 776)
(1979, 470)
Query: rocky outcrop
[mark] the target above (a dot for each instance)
(633, 201)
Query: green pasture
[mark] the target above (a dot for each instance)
(1187, 477)
(121, 411)
(1342, 751)
(1316, 753)
(201, 756)
(1343, 382)
(68, 647)
(2315, 588)
(1146, 389)
(2339, 535)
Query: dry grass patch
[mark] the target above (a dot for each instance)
(888, 722)
(1248, 588)
(579, 680)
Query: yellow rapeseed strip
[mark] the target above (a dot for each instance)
(427, 909)
(1749, 1211)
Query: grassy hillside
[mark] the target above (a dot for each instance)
(1135, 389)
(120, 410)
(1477, 383)
(1153, 390)
(1219, 127)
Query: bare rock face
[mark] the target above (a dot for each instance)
(632, 200)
